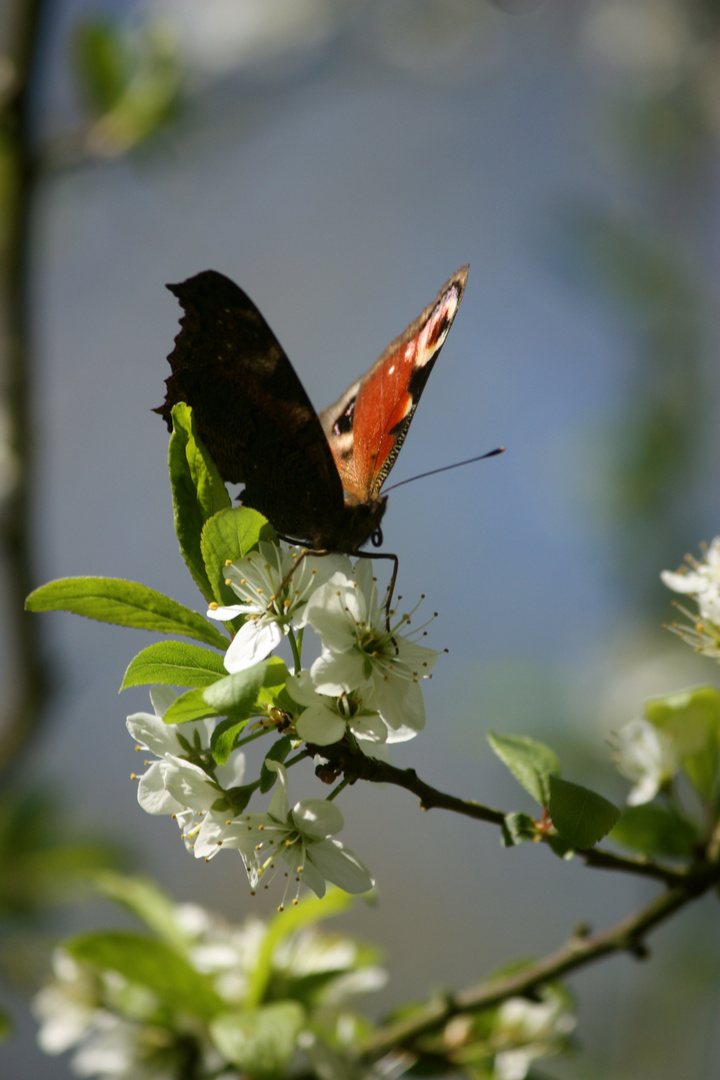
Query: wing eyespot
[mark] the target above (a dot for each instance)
(344, 422)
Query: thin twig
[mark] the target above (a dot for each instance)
(358, 767)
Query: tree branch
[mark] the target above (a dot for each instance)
(355, 766)
(626, 936)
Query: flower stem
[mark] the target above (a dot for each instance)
(293, 761)
(251, 738)
(336, 790)
(296, 646)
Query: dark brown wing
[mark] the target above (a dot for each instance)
(251, 410)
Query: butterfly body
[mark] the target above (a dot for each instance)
(316, 477)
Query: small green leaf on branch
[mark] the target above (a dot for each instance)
(531, 763)
(581, 816)
(235, 695)
(198, 493)
(228, 536)
(518, 829)
(657, 831)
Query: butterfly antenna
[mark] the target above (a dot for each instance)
(446, 468)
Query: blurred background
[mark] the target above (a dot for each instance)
(339, 160)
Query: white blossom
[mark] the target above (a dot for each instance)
(648, 757)
(536, 1028)
(303, 838)
(327, 717)
(700, 581)
(171, 783)
(274, 585)
(358, 648)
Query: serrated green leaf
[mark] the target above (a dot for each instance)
(198, 493)
(531, 763)
(692, 719)
(260, 1041)
(228, 536)
(277, 752)
(560, 847)
(152, 964)
(124, 603)
(517, 829)
(582, 817)
(188, 707)
(656, 831)
(174, 663)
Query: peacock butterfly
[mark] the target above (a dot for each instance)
(316, 477)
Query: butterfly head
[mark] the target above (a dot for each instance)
(358, 523)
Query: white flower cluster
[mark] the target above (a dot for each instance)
(644, 753)
(700, 581)
(364, 686)
(122, 1031)
(366, 679)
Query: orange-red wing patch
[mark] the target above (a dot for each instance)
(367, 426)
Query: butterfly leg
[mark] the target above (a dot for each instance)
(393, 576)
(293, 568)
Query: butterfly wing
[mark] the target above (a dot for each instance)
(367, 426)
(251, 410)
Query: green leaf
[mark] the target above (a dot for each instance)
(188, 707)
(146, 901)
(580, 816)
(517, 829)
(531, 763)
(124, 603)
(236, 695)
(260, 1042)
(692, 719)
(198, 493)
(223, 738)
(176, 663)
(277, 752)
(152, 964)
(656, 831)
(228, 536)
(225, 734)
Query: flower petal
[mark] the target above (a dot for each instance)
(320, 725)
(153, 796)
(340, 866)
(317, 818)
(255, 640)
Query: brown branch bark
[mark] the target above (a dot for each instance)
(355, 766)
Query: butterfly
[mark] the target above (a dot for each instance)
(317, 477)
